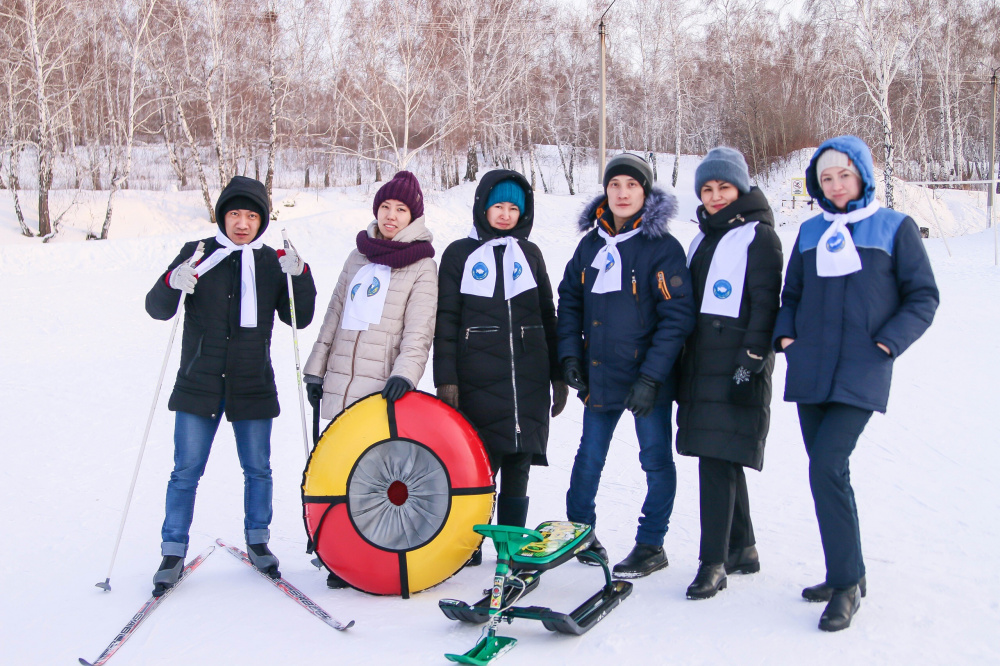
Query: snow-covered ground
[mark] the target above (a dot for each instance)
(80, 359)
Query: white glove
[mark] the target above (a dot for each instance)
(291, 262)
(184, 278)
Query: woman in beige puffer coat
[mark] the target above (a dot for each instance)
(367, 345)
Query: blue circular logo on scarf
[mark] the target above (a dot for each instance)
(517, 270)
(354, 290)
(836, 242)
(373, 289)
(722, 289)
(610, 262)
(479, 271)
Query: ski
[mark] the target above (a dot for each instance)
(290, 590)
(145, 611)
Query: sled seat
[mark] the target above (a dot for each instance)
(552, 543)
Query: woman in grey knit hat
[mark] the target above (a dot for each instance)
(724, 390)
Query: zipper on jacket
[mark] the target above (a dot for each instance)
(635, 293)
(480, 329)
(513, 379)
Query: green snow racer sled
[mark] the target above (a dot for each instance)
(522, 556)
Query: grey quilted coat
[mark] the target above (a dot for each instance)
(354, 364)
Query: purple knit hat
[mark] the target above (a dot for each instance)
(403, 187)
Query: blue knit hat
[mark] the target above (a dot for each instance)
(506, 191)
(726, 164)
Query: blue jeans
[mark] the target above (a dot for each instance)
(831, 431)
(193, 437)
(655, 457)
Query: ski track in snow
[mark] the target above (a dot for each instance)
(80, 359)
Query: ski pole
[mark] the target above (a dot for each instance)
(295, 343)
(106, 585)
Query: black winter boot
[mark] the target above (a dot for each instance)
(263, 559)
(709, 580)
(824, 592)
(512, 511)
(335, 582)
(168, 574)
(476, 559)
(743, 560)
(596, 548)
(642, 561)
(844, 603)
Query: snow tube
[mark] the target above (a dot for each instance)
(391, 492)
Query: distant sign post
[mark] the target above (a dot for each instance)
(798, 189)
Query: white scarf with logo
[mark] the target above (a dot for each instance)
(836, 254)
(479, 277)
(248, 274)
(608, 262)
(365, 297)
(727, 273)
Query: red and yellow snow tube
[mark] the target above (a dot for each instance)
(391, 492)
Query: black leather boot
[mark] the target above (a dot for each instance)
(642, 561)
(823, 592)
(476, 559)
(512, 511)
(709, 580)
(596, 548)
(335, 582)
(844, 603)
(743, 560)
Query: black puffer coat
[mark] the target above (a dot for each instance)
(219, 358)
(501, 354)
(709, 422)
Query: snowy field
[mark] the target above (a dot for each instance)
(80, 359)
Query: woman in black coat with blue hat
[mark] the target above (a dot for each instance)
(724, 392)
(495, 337)
(858, 292)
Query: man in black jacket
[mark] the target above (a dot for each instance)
(230, 297)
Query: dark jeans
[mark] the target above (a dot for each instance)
(831, 431)
(193, 437)
(655, 457)
(725, 509)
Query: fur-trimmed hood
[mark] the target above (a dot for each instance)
(659, 208)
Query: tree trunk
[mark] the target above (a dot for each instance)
(471, 162)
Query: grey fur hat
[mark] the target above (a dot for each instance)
(726, 164)
(629, 164)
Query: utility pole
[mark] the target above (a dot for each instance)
(993, 144)
(602, 140)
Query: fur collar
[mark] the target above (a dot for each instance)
(660, 206)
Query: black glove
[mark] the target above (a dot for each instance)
(559, 395)
(741, 390)
(573, 373)
(395, 388)
(641, 396)
(448, 393)
(314, 390)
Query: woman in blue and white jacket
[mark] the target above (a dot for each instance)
(858, 292)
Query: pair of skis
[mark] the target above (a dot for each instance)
(147, 608)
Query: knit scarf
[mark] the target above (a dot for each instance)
(393, 253)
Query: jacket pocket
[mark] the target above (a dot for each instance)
(477, 335)
(528, 332)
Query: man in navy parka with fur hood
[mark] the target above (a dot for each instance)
(625, 310)
(858, 292)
